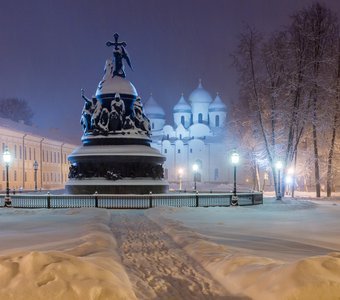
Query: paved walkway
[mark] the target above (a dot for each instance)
(157, 267)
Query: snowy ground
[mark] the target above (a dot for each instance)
(279, 250)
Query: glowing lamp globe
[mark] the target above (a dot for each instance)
(7, 156)
(235, 158)
(195, 167)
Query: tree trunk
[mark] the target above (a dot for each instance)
(316, 152)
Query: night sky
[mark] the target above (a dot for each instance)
(49, 50)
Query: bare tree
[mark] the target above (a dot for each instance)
(16, 110)
(285, 79)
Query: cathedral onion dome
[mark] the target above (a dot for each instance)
(117, 84)
(182, 106)
(217, 105)
(200, 95)
(153, 110)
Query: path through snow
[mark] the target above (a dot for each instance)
(157, 267)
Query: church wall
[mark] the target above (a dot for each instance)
(212, 119)
(178, 119)
(200, 108)
(157, 124)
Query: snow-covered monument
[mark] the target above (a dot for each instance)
(116, 156)
(197, 136)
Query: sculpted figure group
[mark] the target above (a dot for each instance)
(96, 119)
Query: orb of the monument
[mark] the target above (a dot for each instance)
(116, 156)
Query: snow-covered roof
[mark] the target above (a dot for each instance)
(152, 109)
(182, 106)
(217, 104)
(200, 95)
(47, 133)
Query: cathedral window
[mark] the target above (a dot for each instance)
(178, 151)
(167, 136)
(20, 151)
(165, 150)
(200, 118)
(29, 154)
(15, 151)
(180, 136)
(190, 150)
(152, 125)
(3, 175)
(25, 176)
(217, 121)
(182, 120)
(15, 175)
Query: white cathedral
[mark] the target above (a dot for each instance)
(198, 136)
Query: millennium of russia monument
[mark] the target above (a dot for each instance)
(116, 156)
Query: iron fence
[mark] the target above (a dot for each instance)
(131, 201)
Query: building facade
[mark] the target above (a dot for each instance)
(197, 136)
(27, 146)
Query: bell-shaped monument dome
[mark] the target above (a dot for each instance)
(111, 84)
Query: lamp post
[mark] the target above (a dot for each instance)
(195, 169)
(235, 158)
(35, 167)
(180, 174)
(279, 167)
(7, 158)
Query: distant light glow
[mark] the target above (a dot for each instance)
(289, 179)
(279, 165)
(180, 171)
(290, 171)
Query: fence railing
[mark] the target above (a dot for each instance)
(131, 201)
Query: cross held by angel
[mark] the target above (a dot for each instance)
(119, 54)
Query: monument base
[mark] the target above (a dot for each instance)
(121, 186)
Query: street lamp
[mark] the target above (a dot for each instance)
(195, 169)
(279, 166)
(235, 158)
(7, 159)
(180, 174)
(35, 167)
